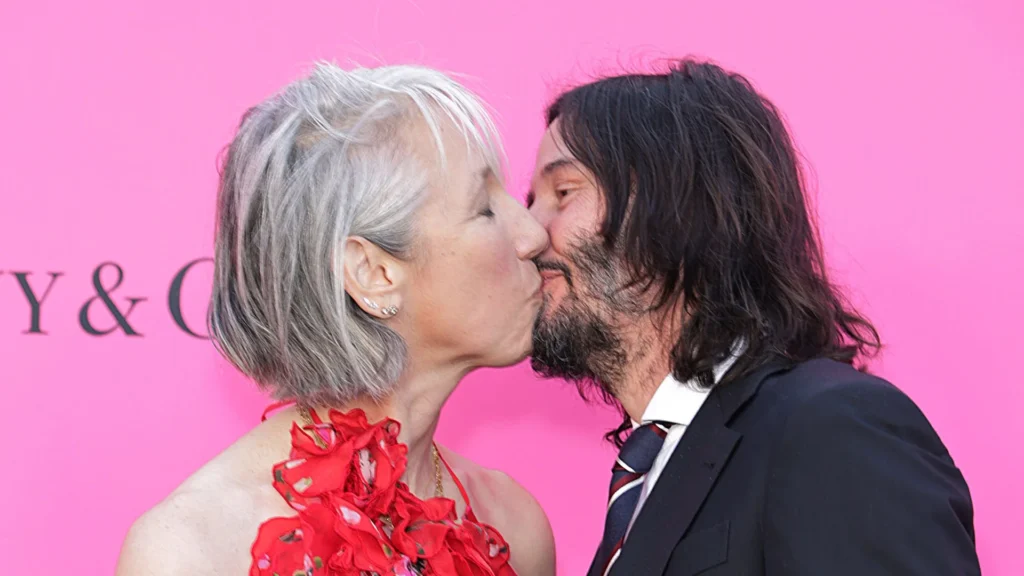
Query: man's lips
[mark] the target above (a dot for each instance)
(549, 271)
(548, 275)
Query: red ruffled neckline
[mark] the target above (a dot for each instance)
(356, 517)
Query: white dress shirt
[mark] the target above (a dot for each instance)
(676, 403)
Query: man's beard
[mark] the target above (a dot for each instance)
(578, 341)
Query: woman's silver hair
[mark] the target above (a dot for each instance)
(327, 158)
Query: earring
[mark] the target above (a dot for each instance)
(370, 303)
(389, 311)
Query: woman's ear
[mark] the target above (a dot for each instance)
(373, 278)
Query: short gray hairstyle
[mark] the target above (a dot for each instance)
(325, 159)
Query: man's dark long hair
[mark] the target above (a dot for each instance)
(706, 200)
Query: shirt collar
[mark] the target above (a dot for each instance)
(678, 402)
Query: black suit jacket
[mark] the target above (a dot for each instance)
(814, 469)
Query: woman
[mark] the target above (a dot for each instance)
(367, 258)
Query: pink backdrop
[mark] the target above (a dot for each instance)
(113, 113)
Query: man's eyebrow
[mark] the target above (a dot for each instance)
(556, 164)
(547, 170)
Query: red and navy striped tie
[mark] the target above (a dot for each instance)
(631, 467)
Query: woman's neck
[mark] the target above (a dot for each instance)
(416, 405)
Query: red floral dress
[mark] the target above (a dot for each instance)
(356, 518)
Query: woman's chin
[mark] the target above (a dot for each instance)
(513, 353)
(512, 360)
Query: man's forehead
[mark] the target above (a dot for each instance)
(550, 142)
(553, 154)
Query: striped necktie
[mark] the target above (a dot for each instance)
(631, 467)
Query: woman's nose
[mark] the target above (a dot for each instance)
(533, 237)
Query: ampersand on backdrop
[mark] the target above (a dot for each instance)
(103, 293)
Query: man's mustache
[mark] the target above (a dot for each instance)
(543, 265)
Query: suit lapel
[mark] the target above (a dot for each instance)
(687, 479)
(593, 571)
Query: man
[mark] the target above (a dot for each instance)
(685, 282)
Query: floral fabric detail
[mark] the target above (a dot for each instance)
(356, 518)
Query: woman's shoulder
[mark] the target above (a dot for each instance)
(169, 538)
(501, 502)
(206, 525)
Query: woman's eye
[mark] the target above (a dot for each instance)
(563, 192)
(487, 212)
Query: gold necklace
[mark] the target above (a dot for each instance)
(438, 483)
(435, 454)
